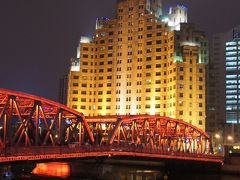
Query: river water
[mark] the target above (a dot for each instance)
(102, 171)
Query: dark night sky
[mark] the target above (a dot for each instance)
(38, 37)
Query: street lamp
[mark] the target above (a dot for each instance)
(217, 136)
(230, 138)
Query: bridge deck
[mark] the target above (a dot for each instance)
(58, 152)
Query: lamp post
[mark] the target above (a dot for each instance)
(217, 140)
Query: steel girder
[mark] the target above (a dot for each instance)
(30, 120)
(151, 132)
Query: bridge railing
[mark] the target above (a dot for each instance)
(110, 149)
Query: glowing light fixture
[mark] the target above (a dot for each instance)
(217, 136)
(230, 138)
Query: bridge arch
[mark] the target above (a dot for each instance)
(31, 120)
(152, 132)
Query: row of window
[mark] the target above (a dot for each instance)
(130, 38)
(128, 99)
(147, 106)
(157, 34)
(148, 66)
(181, 77)
(158, 57)
(138, 83)
(100, 63)
(120, 10)
(148, 82)
(148, 90)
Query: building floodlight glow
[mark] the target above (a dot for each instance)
(177, 15)
(189, 43)
(75, 65)
(85, 39)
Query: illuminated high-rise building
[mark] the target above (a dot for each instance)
(233, 79)
(221, 71)
(139, 64)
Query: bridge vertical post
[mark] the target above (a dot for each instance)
(193, 144)
(60, 127)
(201, 144)
(36, 122)
(9, 129)
(185, 148)
(119, 134)
(5, 130)
(83, 131)
(80, 134)
(133, 129)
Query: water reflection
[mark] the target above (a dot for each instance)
(55, 169)
(91, 170)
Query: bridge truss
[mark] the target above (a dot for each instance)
(27, 120)
(39, 126)
(151, 132)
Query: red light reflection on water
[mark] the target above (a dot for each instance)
(55, 169)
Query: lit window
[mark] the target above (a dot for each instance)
(148, 90)
(74, 99)
(83, 107)
(157, 105)
(75, 84)
(75, 92)
(148, 106)
(83, 100)
(149, 27)
(74, 106)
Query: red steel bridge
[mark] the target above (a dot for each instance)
(34, 128)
